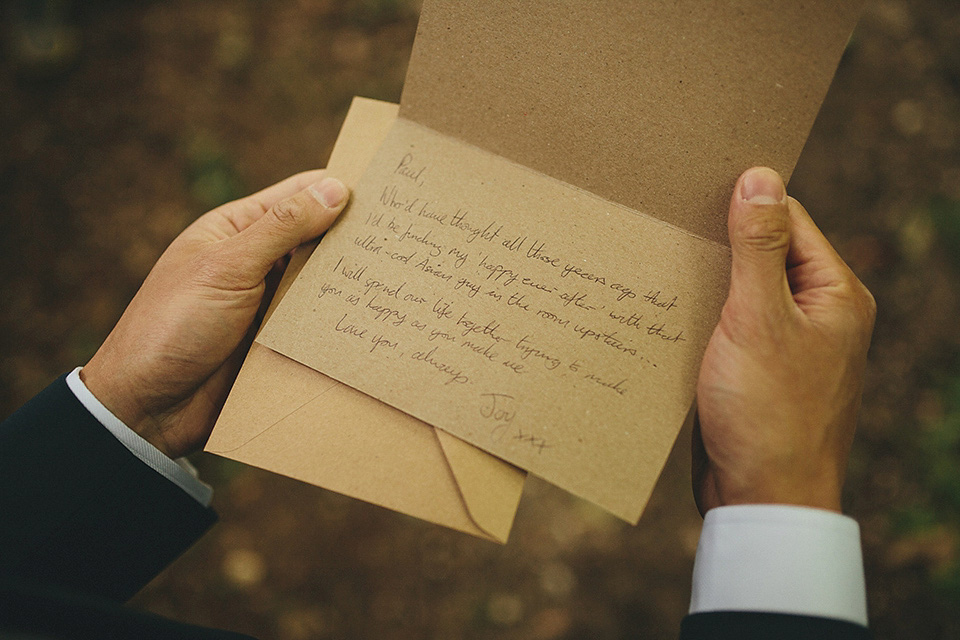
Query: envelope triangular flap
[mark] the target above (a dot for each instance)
(654, 104)
(490, 491)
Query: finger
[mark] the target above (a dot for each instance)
(286, 225)
(807, 243)
(813, 265)
(244, 212)
(699, 463)
(759, 228)
(269, 196)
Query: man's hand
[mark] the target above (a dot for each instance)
(166, 368)
(781, 379)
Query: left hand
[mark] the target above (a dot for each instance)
(166, 368)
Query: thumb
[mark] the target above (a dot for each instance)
(759, 228)
(288, 224)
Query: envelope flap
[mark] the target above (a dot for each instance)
(490, 487)
(268, 389)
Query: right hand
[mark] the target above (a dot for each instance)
(166, 368)
(781, 379)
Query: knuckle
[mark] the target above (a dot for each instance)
(207, 267)
(861, 306)
(288, 213)
(860, 297)
(765, 232)
(213, 269)
(868, 303)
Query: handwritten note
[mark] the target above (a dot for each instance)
(541, 323)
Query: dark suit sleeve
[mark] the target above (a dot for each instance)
(47, 613)
(735, 625)
(78, 511)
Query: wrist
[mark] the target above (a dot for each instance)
(826, 498)
(178, 471)
(819, 490)
(106, 386)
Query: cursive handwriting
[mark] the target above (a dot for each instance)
(407, 169)
(454, 374)
(458, 289)
(497, 406)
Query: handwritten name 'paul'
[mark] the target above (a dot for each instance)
(408, 169)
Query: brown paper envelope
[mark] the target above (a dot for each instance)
(285, 417)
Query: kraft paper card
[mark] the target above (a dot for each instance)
(290, 419)
(536, 256)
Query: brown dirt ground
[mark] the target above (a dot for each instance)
(173, 106)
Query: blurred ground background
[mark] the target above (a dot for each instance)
(147, 114)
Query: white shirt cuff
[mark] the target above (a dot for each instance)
(780, 559)
(179, 471)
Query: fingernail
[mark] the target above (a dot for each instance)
(329, 192)
(761, 185)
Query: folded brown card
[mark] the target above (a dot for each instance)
(536, 256)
